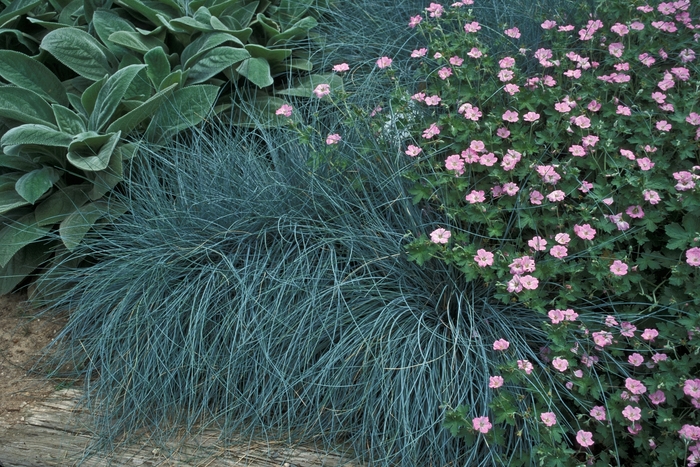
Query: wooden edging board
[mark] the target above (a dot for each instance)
(51, 434)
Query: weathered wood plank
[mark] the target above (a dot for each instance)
(53, 435)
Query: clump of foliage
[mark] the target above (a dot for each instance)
(83, 80)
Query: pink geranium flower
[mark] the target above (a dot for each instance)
(495, 382)
(322, 90)
(559, 251)
(333, 139)
(339, 68)
(440, 236)
(632, 413)
(285, 110)
(548, 418)
(485, 258)
(560, 364)
(525, 366)
(413, 150)
(618, 268)
(584, 438)
(634, 386)
(650, 334)
(657, 397)
(501, 344)
(598, 412)
(384, 62)
(584, 231)
(693, 256)
(481, 424)
(472, 27)
(691, 388)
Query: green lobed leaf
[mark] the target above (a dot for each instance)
(14, 236)
(61, 203)
(32, 186)
(79, 51)
(213, 62)
(35, 134)
(27, 73)
(257, 70)
(25, 106)
(110, 95)
(92, 152)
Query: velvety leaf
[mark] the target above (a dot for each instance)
(151, 9)
(74, 227)
(8, 181)
(135, 41)
(61, 203)
(186, 108)
(158, 65)
(16, 163)
(190, 24)
(23, 263)
(89, 97)
(270, 55)
(35, 134)
(32, 186)
(110, 95)
(257, 70)
(126, 123)
(203, 43)
(21, 37)
(298, 31)
(25, 106)
(27, 73)
(107, 22)
(10, 200)
(79, 51)
(104, 181)
(92, 152)
(16, 235)
(75, 101)
(16, 9)
(213, 62)
(68, 121)
(174, 78)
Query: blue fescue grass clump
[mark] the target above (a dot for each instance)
(250, 291)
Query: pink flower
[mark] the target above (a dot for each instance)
(476, 196)
(485, 258)
(645, 163)
(632, 413)
(618, 268)
(556, 316)
(657, 397)
(506, 62)
(548, 418)
(384, 62)
(650, 334)
(562, 238)
(562, 107)
(692, 256)
(663, 125)
(415, 21)
(635, 212)
(548, 174)
(537, 243)
(322, 90)
(623, 110)
(529, 282)
(693, 118)
(510, 188)
(456, 61)
(435, 10)
(634, 386)
(339, 68)
(594, 106)
(536, 197)
(440, 236)
(582, 121)
(512, 32)
(577, 151)
(471, 27)
(470, 112)
(501, 344)
(615, 49)
(685, 180)
(585, 186)
(548, 24)
(620, 29)
(285, 110)
(431, 131)
(333, 139)
(419, 52)
(627, 329)
(590, 141)
(634, 428)
(456, 163)
(659, 357)
(584, 438)
(635, 359)
(556, 196)
(598, 412)
(690, 432)
(488, 159)
(610, 321)
(510, 116)
(413, 151)
(602, 338)
(503, 132)
(495, 382)
(560, 364)
(481, 424)
(475, 53)
(525, 366)
(651, 196)
(531, 117)
(559, 251)
(445, 72)
(419, 96)
(584, 231)
(432, 100)
(691, 388)
(646, 59)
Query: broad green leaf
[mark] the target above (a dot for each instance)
(268, 26)
(68, 121)
(8, 181)
(105, 180)
(158, 65)
(23, 38)
(61, 203)
(203, 43)
(271, 55)
(74, 227)
(69, 11)
(27, 73)
(110, 95)
(89, 97)
(190, 24)
(213, 62)
(10, 200)
(16, 9)
(107, 22)
(14, 236)
(92, 152)
(257, 70)
(32, 186)
(186, 108)
(35, 134)
(22, 264)
(25, 106)
(151, 9)
(243, 15)
(79, 51)
(135, 41)
(304, 87)
(298, 31)
(217, 8)
(131, 120)
(17, 163)
(290, 11)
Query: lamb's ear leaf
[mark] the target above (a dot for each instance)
(25, 72)
(110, 95)
(16, 235)
(32, 185)
(21, 265)
(35, 134)
(80, 52)
(74, 227)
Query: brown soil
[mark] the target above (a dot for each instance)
(22, 338)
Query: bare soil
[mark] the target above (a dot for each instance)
(22, 338)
